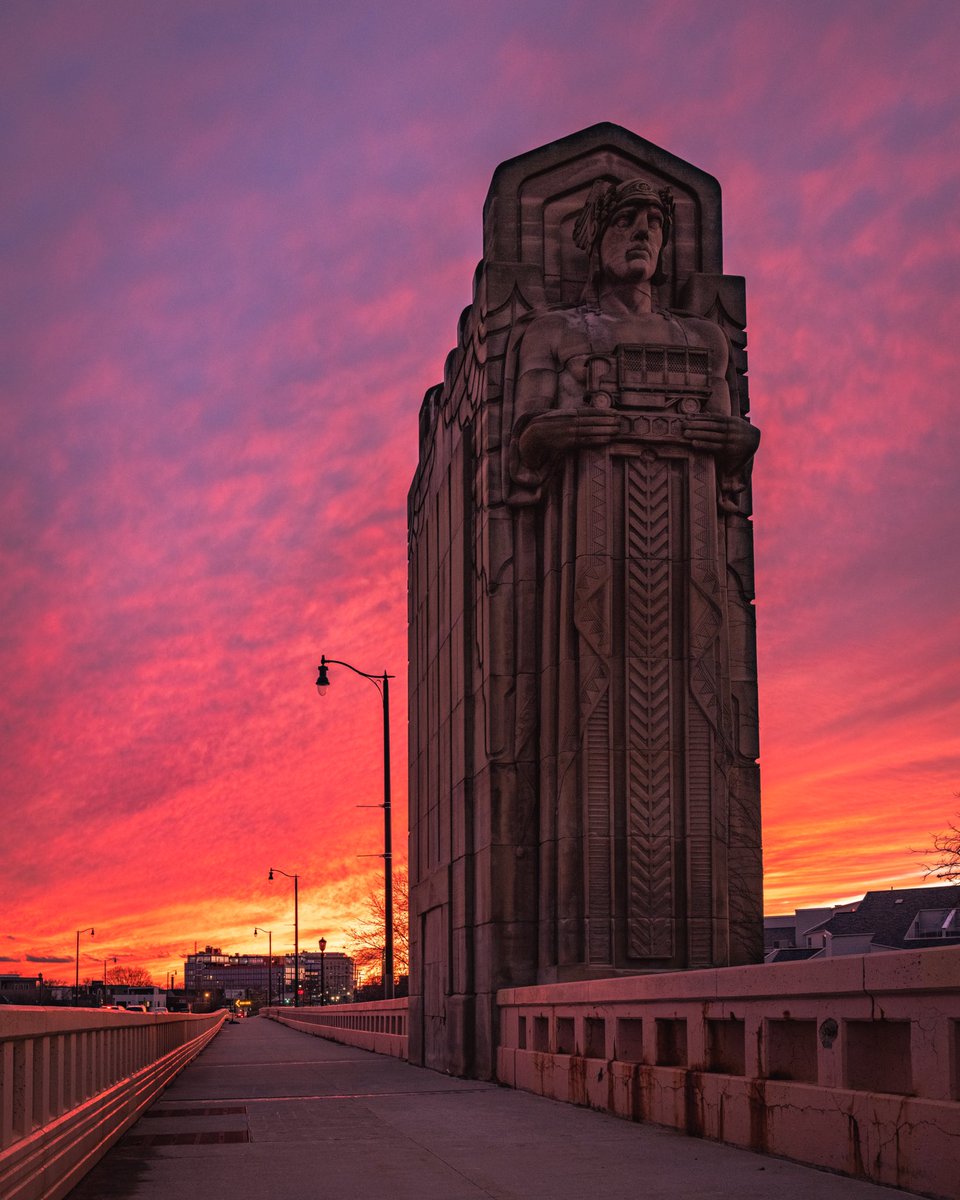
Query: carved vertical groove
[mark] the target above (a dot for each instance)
(650, 884)
(593, 621)
(703, 717)
(699, 841)
(599, 944)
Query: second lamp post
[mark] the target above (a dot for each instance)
(269, 933)
(382, 684)
(296, 931)
(76, 977)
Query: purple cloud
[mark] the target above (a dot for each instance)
(230, 276)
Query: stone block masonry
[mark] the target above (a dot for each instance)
(584, 788)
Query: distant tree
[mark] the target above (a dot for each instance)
(367, 939)
(944, 853)
(129, 977)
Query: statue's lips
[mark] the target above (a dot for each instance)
(639, 252)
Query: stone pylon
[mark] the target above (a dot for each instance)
(584, 790)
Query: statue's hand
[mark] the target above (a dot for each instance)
(551, 433)
(733, 440)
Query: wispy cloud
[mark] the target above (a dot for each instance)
(229, 280)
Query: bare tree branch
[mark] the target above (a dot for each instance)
(944, 852)
(368, 937)
(129, 977)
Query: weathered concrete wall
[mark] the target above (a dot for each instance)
(380, 1026)
(852, 1064)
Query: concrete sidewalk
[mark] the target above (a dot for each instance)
(266, 1113)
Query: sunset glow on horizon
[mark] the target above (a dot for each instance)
(237, 240)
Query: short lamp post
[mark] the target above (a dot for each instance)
(110, 958)
(296, 931)
(323, 971)
(382, 684)
(269, 933)
(76, 977)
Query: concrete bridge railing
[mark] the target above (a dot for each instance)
(379, 1025)
(850, 1063)
(73, 1080)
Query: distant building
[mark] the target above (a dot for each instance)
(338, 975)
(127, 995)
(785, 938)
(898, 919)
(21, 989)
(248, 976)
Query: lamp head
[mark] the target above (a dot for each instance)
(323, 681)
(270, 876)
(323, 944)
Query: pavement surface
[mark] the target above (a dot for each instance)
(267, 1113)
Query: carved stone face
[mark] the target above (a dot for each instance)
(631, 243)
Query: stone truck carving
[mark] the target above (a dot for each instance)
(584, 794)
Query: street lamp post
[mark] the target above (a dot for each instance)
(296, 931)
(323, 971)
(76, 978)
(109, 958)
(382, 684)
(269, 933)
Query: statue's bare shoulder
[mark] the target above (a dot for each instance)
(707, 332)
(551, 337)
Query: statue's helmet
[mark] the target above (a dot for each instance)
(603, 201)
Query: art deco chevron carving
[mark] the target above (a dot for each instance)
(649, 802)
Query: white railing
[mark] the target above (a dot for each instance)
(378, 1025)
(73, 1080)
(847, 1063)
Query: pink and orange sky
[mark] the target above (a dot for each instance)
(237, 237)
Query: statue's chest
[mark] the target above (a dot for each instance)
(641, 362)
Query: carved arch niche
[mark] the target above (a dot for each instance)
(534, 199)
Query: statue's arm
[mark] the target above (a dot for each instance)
(717, 430)
(544, 428)
(546, 432)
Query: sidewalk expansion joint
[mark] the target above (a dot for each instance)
(349, 1096)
